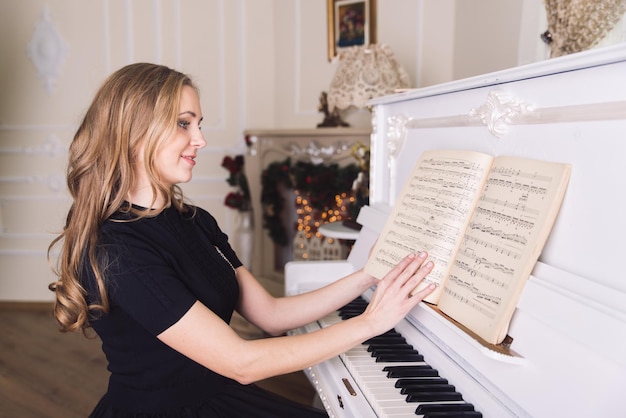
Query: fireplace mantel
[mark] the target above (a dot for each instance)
(321, 145)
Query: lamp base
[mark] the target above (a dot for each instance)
(333, 120)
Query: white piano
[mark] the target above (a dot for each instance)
(569, 330)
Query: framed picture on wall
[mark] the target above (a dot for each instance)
(350, 23)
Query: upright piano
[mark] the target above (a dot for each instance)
(567, 346)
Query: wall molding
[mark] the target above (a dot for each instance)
(54, 182)
(52, 146)
(297, 89)
(47, 50)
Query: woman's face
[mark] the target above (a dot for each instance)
(175, 158)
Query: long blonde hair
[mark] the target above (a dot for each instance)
(134, 111)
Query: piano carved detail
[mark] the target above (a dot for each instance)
(498, 112)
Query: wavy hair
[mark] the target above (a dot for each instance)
(135, 110)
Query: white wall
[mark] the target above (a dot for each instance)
(486, 36)
(205, 38)
(259, 64)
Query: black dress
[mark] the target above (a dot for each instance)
(156, 269)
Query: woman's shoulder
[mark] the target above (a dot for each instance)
(202, 217)
(128, 221)
(202, 214)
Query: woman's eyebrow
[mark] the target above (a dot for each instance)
(193, 114)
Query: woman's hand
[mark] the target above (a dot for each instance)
(393, 300)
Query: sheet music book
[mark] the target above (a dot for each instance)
(484, 221)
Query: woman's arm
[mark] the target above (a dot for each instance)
(277, 315)
(206, 339)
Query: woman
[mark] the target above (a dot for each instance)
(157, 280)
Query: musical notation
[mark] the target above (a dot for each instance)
(472, 298)
(519, 206)
(479, 218)
(432, 212)
(514, 238)
(498, 240)
(453, 163)
(507, 184)
(478, 270)
(503, 218)
(518, 173)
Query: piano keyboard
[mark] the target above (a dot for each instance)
(395, 379)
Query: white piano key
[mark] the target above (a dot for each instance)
(380, 391)
(330, 319)
(388, 407)
(381, 384)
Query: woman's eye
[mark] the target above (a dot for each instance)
(183, 124)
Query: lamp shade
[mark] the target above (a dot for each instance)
(363, 73)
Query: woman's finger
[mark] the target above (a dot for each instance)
(412, 269)
(418, 278)
(405, 269)
(411, 286)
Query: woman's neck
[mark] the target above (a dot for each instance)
(143, 196)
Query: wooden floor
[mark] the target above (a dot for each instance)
(45, 373)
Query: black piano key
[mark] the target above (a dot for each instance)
(387, 339)
(391, 350)
(408, 368)
(399, 357)
(382, 346)
(349, 314)
(358, 300)
(414, 389)
(434, 397)
(410, 371)
(460, 414)
(400, 383)
(443, 407)
(354, 308)
(356, 304)
(390, 333)
(351, 311)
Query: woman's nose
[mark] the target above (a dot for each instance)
(198, 139)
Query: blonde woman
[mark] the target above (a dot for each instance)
(157, 280)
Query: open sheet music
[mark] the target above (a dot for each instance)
(484, 221)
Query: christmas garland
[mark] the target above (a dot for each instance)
(320, 183)
(272, 200)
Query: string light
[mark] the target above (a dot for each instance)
(309, 221)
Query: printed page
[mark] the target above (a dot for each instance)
(503, 240)
(431, 213)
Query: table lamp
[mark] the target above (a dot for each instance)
(363, 73)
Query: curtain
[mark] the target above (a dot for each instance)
(577, 25)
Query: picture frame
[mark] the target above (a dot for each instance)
(350, 23)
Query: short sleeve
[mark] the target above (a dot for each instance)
(143, 283)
